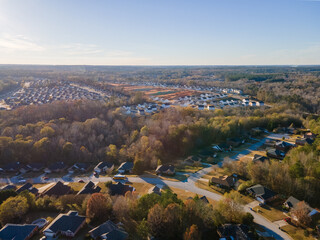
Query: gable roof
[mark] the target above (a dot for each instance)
(29, 187)
(57, 166)
(126, 166)
(17, 231)
(102, 165)
(116, 234)
(106, 227)
(66, 222)
(227, 181)
(261, 192)
(89, 188)
(164, 168)
(238, 232)
(119, 189)
(260, 158)
(57, 189)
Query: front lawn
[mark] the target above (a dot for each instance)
(297, 233)
(270, 213)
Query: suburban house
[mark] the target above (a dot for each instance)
(223, 147)
(8, 187)
(57, 189)
(310, 135)
(235, 231)
(104, 167)
(18, 231)
(283, 146)
(89, 188)
(211, 107)
(65, 224)
(157, 189)
(108, 231)
(204, 199)
(120, 189)
(292, 202)
(235, 142)
(261, 193)
(224, 181)
(29, 187)
(79, 167)
(12, 167)
(260, 158)
(275, 153)
(35, 167)
(165, 169)
(126, 167)
(303, 141)
(56, 167)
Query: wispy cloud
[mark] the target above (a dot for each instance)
(18, 42)
(77, 49)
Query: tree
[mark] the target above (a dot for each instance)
(5, 194)
(47, 132)
(301, 212)
(138, 167)
(13, 209)
(297, 170)
(155, 221)
(112, 153)
(99, 207)
(192, 233)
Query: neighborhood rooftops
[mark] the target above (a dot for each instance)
(29, 187)
(125, 167)
(18, 231)
(225, 181)
(233, 231)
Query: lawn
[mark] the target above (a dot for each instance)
(204, 185)
(185, 194)
(270, 213)
(56, 174)
(188, 168)
(76, 186)
(296, 232)
(142, 188)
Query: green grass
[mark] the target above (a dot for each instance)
(188, 168)
(76, 186)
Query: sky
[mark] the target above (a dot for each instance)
(160, 32)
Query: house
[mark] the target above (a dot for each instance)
(29, 187)
(104, 167)
(252, 103)
(8, 187)
(260, 158)
(18, 231)
(156, 189)
(57, 189)
(12, 167)
(89, 188)
(261, 193)
(224, 181)
(283, 146)
(35, 167)
(79, 167)
(292, 202)
(126, 167)
(235, 231)
(109, 231)
(165, 169)
(211, 107)
(56, 167)
(141, 111)
(204, 199)
(223, 147)
(120, 189)
(235, 142)
(310, 135)
(275, 153)
(65, 224)
(303, 141)
(200, 107)
(260, 103)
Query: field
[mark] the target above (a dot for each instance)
(167, 93)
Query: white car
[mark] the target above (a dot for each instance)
(22, 181)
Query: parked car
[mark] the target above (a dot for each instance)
(287, 219)
(45, 178)
(22, 181)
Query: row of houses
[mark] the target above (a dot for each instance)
(41, 91)
(64, 225)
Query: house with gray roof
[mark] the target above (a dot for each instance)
(108, 230)
(18, 231)
(261, 193)
(89, 188)
(65, 224)
(125, 167)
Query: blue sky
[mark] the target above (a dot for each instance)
(160, 32)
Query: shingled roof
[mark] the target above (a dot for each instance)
(108, 230)
(119, 189)
(17, 231)
(57, 189)
(89, 188)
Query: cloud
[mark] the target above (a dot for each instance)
(19, 43)
(80, 49)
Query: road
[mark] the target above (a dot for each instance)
(272, 229)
